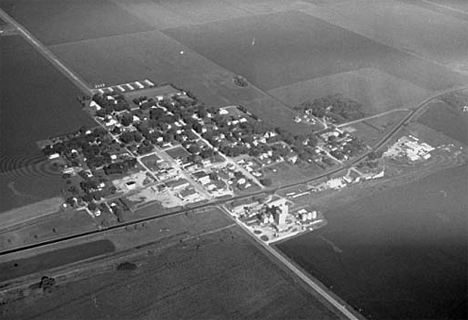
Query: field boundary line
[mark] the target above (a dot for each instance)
(401, 49)
(443, 6)
(44, 51)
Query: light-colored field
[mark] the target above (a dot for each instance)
(403, 26)
(32, 211)
(376, 90)
(168, 13)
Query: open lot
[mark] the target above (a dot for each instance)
(30, 85)
(72, 20)
(178, 152)
(376, 90)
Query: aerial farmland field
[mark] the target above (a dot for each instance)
(445, 119)
(73, 20)
(169, 13)
(279, 49)
(145, 55)
(30, 85)
(402, 26)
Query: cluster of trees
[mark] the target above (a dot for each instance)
(95, 147)
(240, 81)
(118, 103)
(130, 136)
(120, 167)
(334, 106)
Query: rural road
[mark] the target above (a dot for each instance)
(47, 53)
(323, 292)
(370, 117)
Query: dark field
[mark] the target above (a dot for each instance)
(289, 47)
(400, 254)
(216, 275)
(27, 185)
(292, 46)
(48, 260)
(445, 119)
(37, 102)
(56, 21)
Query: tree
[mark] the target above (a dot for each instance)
(137, 137)
(266, 182)
(127, 137)
(194, 148)
(127, 119)
(202, 113)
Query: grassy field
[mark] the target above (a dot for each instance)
(59, 224)
(44, 261)
(73, 20)
(403, 26)
(376, 90)
(178, 152)
(445, 119)
(31, 86)
(213, 272)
